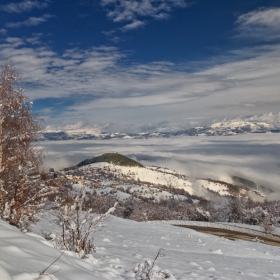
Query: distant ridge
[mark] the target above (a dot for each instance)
(217, 129)
(113, 158)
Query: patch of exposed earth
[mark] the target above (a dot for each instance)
(233, 235)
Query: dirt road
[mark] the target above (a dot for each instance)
(233, 235)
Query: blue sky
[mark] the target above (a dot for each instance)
(145, 65)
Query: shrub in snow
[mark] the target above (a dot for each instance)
(235, 206)
(202, 215)
(143, 272)
(148, 271)
(78, 226)
(149, 211)
(21, 191)
(266, 225)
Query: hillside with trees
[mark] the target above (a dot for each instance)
(113, 158)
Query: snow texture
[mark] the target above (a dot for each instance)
(123, 248)
(164, 176)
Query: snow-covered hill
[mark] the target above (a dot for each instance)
(150, 182)
(220, 128)
(123, 245)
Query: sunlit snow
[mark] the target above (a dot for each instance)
(124, 244)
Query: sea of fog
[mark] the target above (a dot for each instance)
(253, 156)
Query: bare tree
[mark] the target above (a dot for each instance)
(235, 207)
(21, 193)
(78, 226)
(267, 225)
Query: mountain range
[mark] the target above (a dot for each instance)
(216, 129)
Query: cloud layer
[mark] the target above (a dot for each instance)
(255, 157)
(99, 85)
(97, 82)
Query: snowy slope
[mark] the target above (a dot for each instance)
(166, 177)
(23, 256)
(219, 188)
(124, 243)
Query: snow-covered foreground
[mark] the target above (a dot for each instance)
(122, 244)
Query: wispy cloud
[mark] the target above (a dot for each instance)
(32, 21)
(3, 31)
(162, 126)
(35, 39)
(261, 24)
(134, 25)
(24, 6)
(14, 42)
(78, 127)
(134, 11)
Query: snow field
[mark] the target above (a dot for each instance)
(215, 187)
(124, 244)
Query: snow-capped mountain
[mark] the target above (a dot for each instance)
(216, 129)
(228, 128)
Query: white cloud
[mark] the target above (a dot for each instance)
(23, 6)
(46, 111)
(116, 39)
(3, 31)
(35, 39)
(14, 42)
(268, 17)
(134, 25)
(131, 10)
(261, 24)
(74, 128)
(32, 21)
